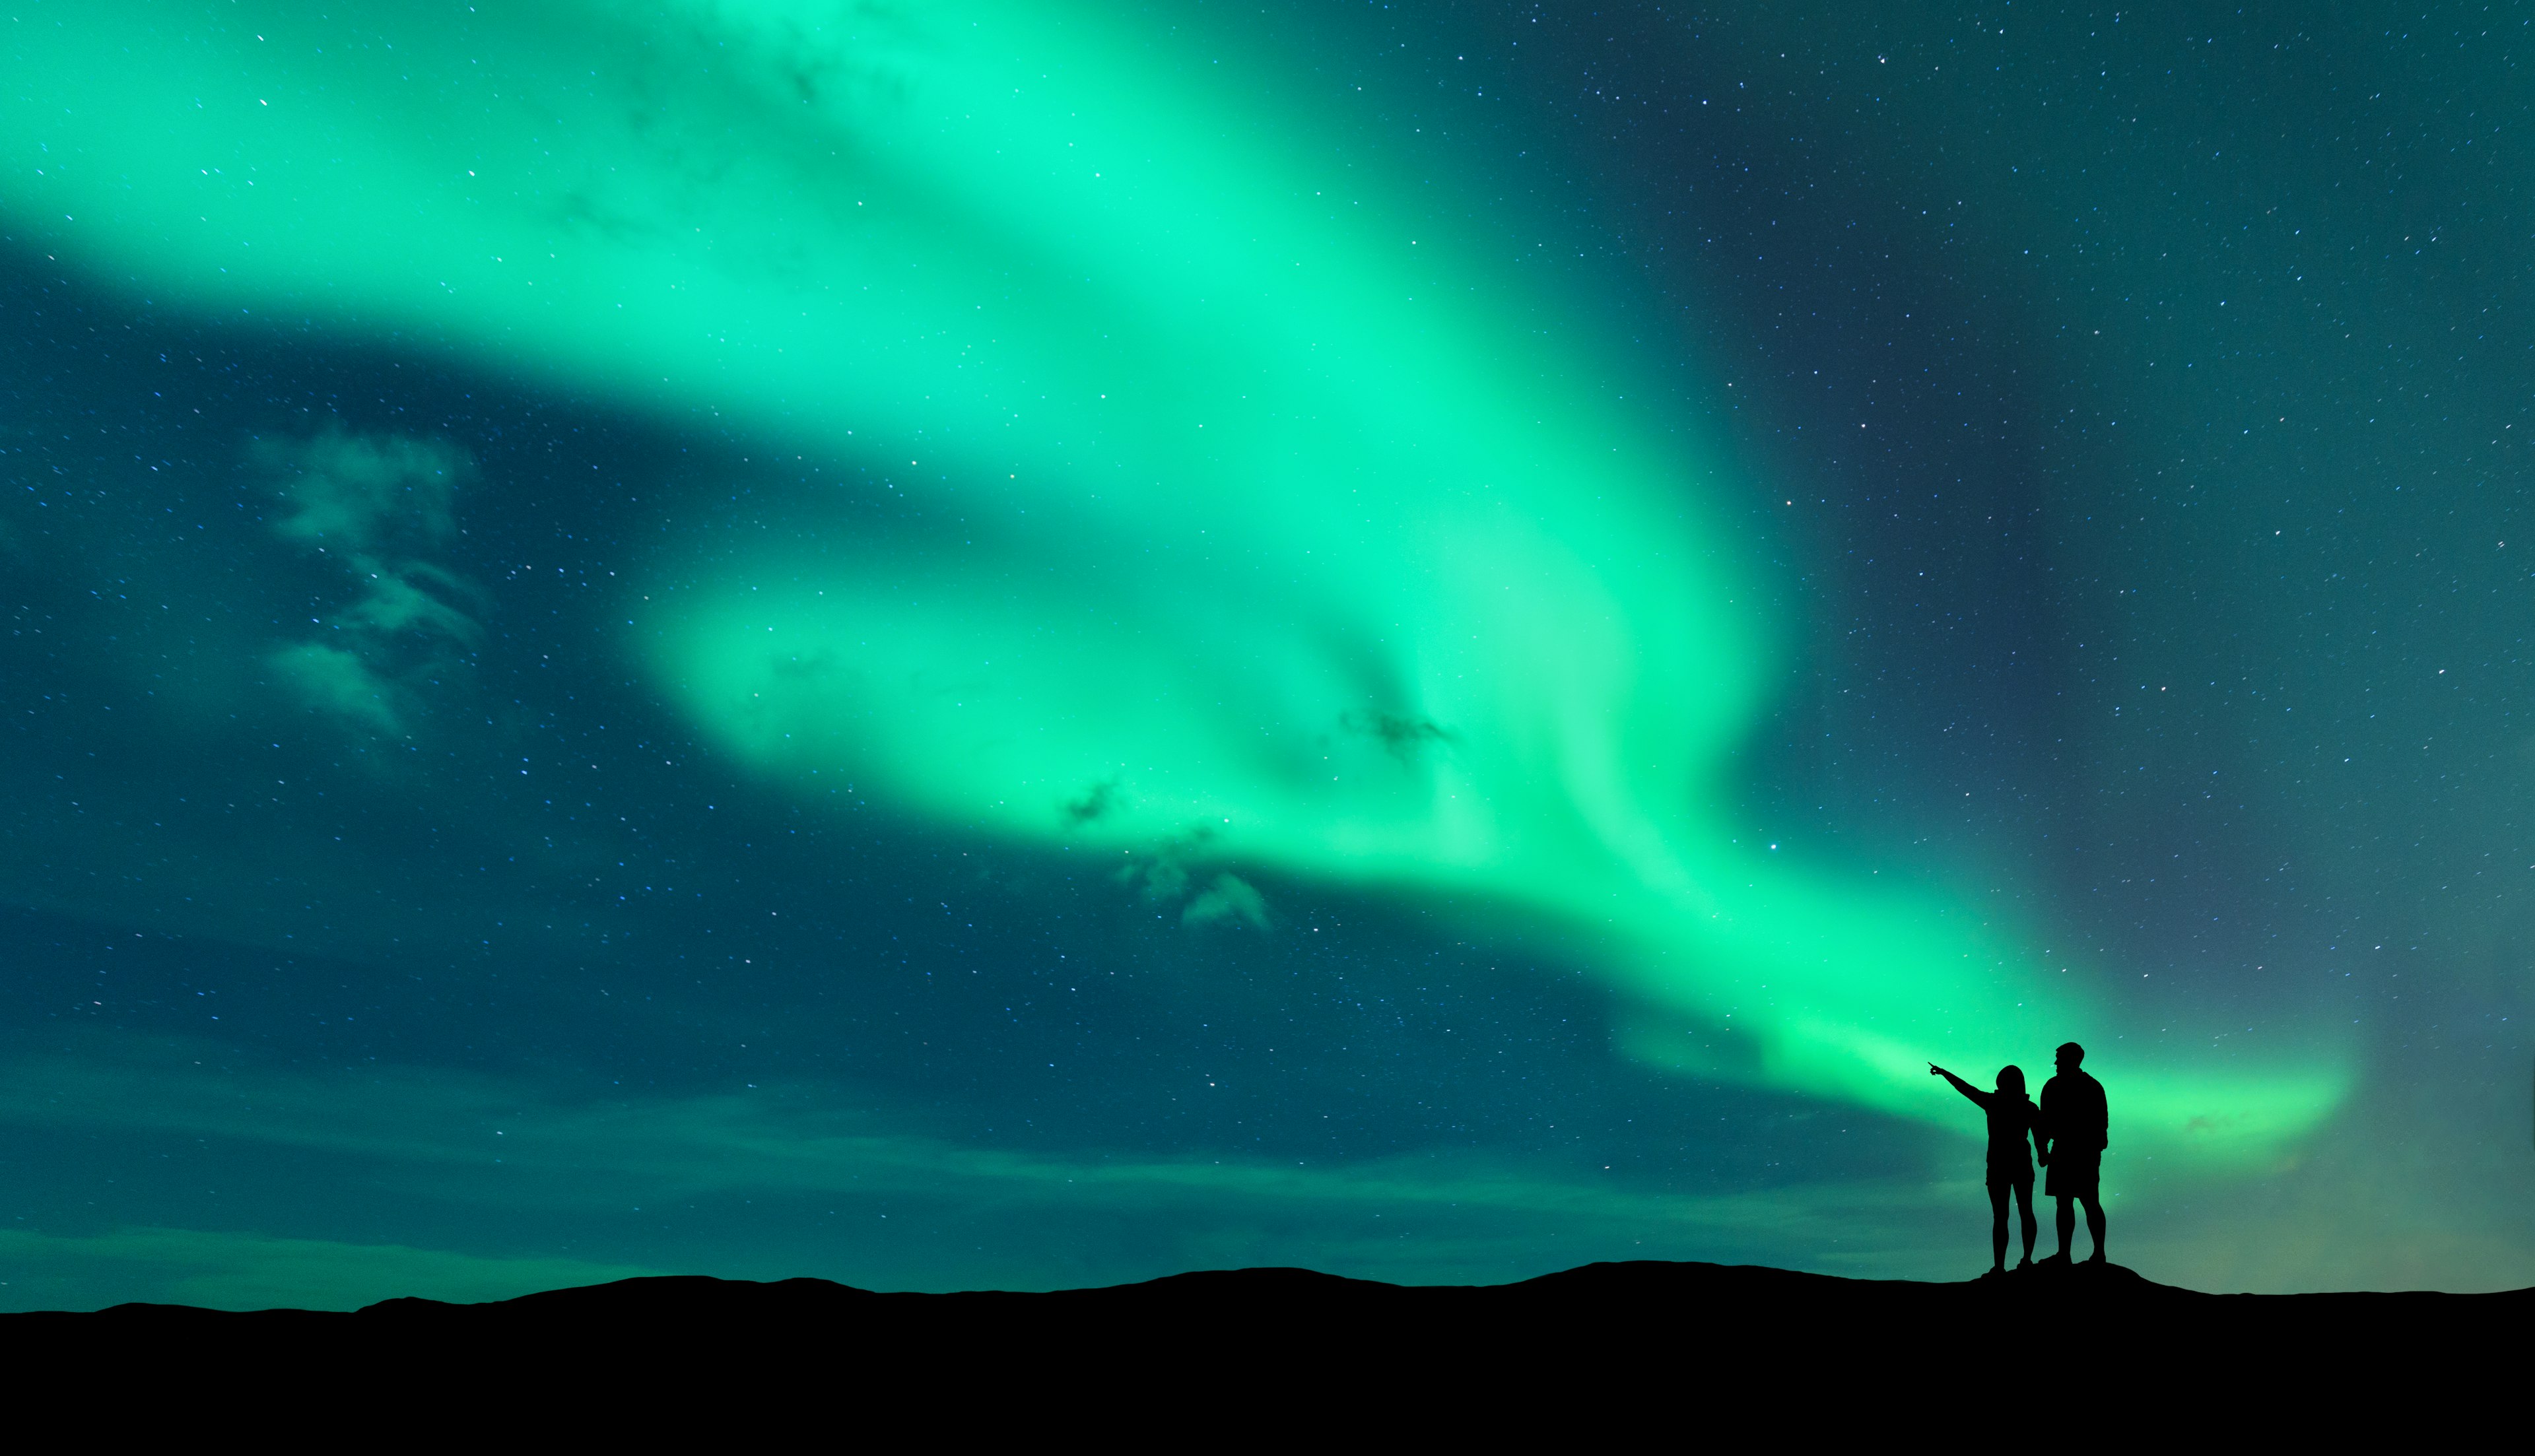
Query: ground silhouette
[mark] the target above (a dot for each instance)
(1290, 1348)
(1755, 1297)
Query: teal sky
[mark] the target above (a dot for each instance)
(960, 644)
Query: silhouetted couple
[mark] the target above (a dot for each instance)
(2068, 1132)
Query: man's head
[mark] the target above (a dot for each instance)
(2069, 1055)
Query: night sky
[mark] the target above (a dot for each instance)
(992, 644)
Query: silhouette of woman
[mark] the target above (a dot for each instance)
(2011, 1121)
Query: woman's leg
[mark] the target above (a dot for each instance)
(2024, 1206)
(1998, 1225)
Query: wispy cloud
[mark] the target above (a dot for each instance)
(1229, 897)
(605, 1169)
(379, 508)
(228, 1270)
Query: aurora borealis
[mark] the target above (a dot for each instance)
(948, 644)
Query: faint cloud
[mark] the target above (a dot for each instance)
(224, 1270)
(1169, 871)
(1164, 875)
(366, 493)
(1229, 897)
(379, 508)
(1404, 736)
(429, 1135)
(334, 681)
(1096, 801)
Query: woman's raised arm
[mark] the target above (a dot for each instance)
(1978, 1097)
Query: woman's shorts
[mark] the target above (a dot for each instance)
(2020, 1178)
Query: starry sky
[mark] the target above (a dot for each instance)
(984, 645)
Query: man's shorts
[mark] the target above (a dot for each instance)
(2074, 1175)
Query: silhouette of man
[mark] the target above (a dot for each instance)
(2071, 1141)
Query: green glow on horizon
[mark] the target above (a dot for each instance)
(1257, 524)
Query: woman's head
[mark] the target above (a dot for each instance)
(2011, 1079)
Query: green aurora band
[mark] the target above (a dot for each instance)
(1260, 527)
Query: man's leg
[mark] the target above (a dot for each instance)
(2068, 1222)
(2094, 1224)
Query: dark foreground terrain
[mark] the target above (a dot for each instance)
(1650, 1299)
(1633, 1341)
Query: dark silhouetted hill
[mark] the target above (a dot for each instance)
(1276, 1345)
